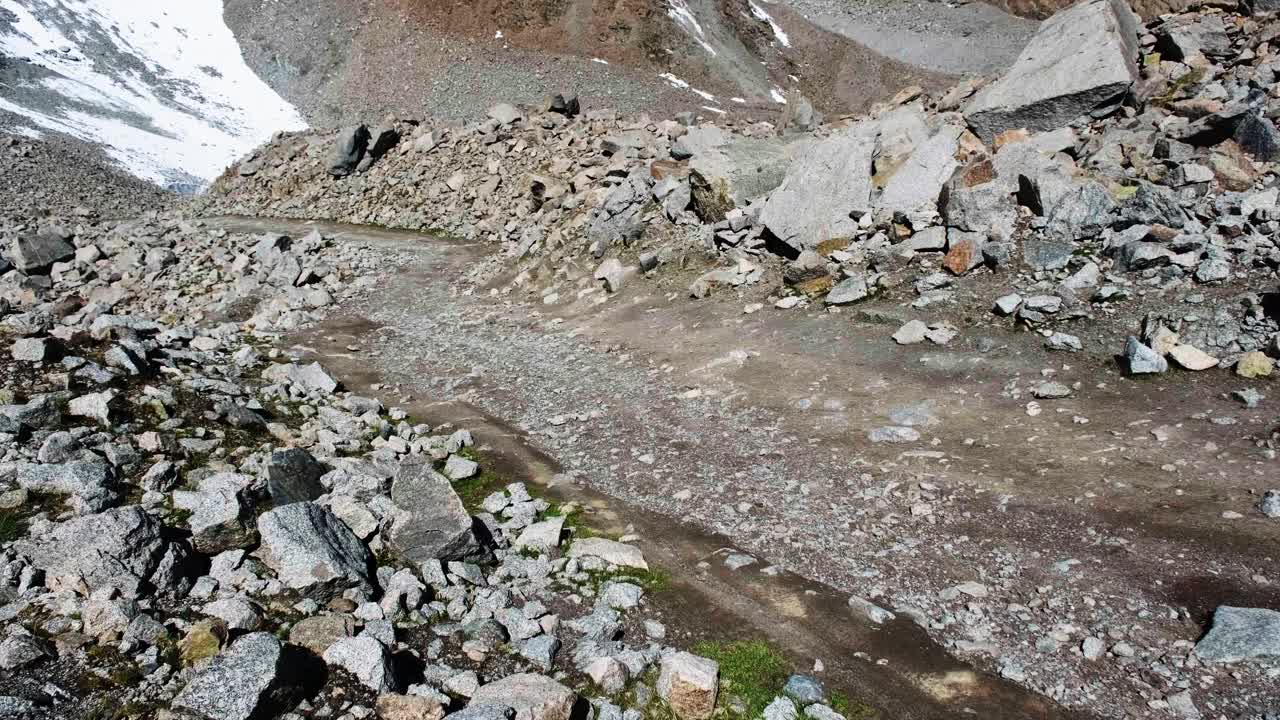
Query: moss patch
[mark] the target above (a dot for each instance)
(751, 670)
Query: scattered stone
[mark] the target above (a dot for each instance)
(689, 684)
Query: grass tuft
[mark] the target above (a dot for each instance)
(751, 670)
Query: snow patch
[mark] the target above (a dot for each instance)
(602, 61)
(715, 110)
(778, 96)
(740, 101)
(166, 91)
(679, 84)
(679, 11)
(763, 16)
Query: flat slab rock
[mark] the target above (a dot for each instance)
(610, 551)
(534, 697)
(1081, 59)
(238, 683)
(1241, 634)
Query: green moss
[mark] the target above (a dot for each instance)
(851, 709)
(751, 670)
(475, 489)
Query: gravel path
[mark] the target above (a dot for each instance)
(1000, 528)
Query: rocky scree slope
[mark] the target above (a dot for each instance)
(344, 61)
(266, 544)
(1112, 166)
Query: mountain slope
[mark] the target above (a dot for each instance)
(163, 90)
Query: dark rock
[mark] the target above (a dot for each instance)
(35, 253)
(293, 475)
(349, 151)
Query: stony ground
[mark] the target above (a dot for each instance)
(981, 380)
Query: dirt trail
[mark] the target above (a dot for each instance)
(752, 430)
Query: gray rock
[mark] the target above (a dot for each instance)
(781, 708)
(129, 554)
(805, 690)
(494, 710)
(92, 483)
(19, 651)
(38, 414)
(293, 475)
(893, 434)
(1270, 504)
(533, 697)
(849, 290)
(1062, 342)
(505, 113)
(311, 550)
(32, 350)
(240, 683)
(541, 651)
(822, 712)
(222, 513)
(311, 379)
(1241, 634)
(913, 190)
(35, 253)
(730, 171)
(1082, 61)
(611, 551)
(429, 520)
(827, 183)
(349, 151)
(367, 659)
(1142, 360)
(544, 535)
(1258, 136)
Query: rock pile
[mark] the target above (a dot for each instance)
(1111, 162)
(195, 527)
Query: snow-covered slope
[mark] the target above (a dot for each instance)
(160, 85)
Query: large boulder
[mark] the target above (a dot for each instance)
(1241, 634)
(246, 681)
(349, 151)
(822, 192)
(430, 521)
(534, 697)
(128, 553)
(34, 253)
(91, 484)
(915, 187)
(311, 550)
(728, 171)
(1082, 61)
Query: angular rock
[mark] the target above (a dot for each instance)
(349, 150)
(1142, 360)
(430, 522)
(1190, 357)
(915, 187)
(689, 684)
(35, 253)
(533, 697)
(250, 678)
(310, 550)
(409, 707)
(1241, 634)
(293, 475)
(849, 290)
(611, 551)
(827, 183)
(1082, 61)
(367, 659)
(92, 483)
